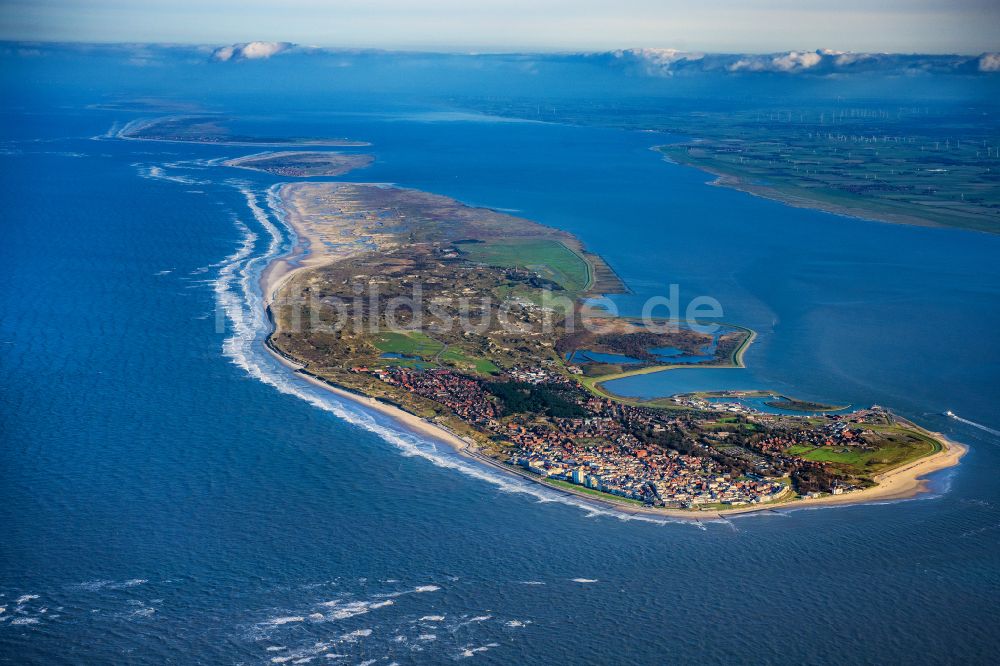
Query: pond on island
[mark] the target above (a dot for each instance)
(665, 355)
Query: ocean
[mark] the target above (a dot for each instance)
(170, 494)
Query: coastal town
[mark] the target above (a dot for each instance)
(524, 389)
(635, 452)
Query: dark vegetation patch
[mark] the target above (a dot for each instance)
(521, 397)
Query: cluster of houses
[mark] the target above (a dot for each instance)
(837, 432)
(662, 478)
(598, 451)
(535, 376)
(461, 394)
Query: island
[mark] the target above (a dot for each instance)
(213, 129)
(476, 328)
(301, 164)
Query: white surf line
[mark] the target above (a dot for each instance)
(111, 133)
(238, 295)
(118, 130)
(126, 131)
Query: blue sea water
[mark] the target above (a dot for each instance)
(168, 494)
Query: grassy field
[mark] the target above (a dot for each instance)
(590, 491)
(482, 366)
(520, 292)
(410, 343)
(550, 258)
(730, 425)
(422, 346)
(902, 447)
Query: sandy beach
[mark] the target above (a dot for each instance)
(321, 240)
(901, 483)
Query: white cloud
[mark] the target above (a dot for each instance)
(658, 60)
(748, 65)
(660, 56)
(793, 61)
(845, 59)
(250, 51)
(989, 62)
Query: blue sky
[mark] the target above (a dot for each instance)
(901, 26)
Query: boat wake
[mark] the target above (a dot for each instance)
(953, 415)
(241, 305)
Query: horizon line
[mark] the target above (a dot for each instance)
(478, 51)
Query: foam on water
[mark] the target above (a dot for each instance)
(395, 633)
(308, 653)
(426, 588)
(359, 633)
(97, 585)
(154, 172)
(472, 620)
(129, 583)
(473, 651)
(343, 611)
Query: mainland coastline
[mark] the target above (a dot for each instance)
(797, 200)
(315, 248)
(787, 192)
